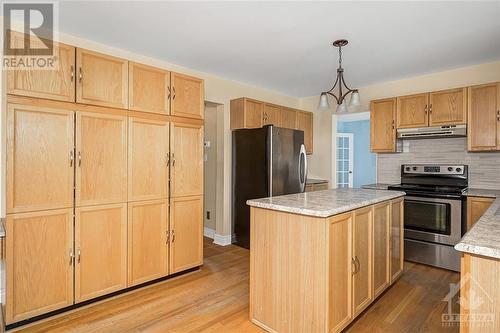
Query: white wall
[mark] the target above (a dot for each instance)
(217, 90)
(322, 163)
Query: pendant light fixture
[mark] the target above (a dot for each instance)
(342, 86)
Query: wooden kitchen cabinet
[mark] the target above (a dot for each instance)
(362, 259)
(381, 247)
(40, 158)
(101, 158)
(397, 238)
(382, 125)
(288, 118)
(186, 156)
(271, 115)
(57, 84)
(412, 111)
(483, 131)
(100, 250)
(148, 158)
(149, 89)
(101, 79)
(147, 241)
(188, 99)
(448, 107)
(39, 264)
(305, 124)
(186, 233)
(476, 207)
(246, 113)
(340, 270)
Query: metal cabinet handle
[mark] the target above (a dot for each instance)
(79, 159)
(168, 237)
(72, 73)
(168, 97)
(80, 75)
(173, 159)
(71, 158)
(173, 236)
(498, 115)
(173, 89)
(430, 108)
(79, 256)
(425, 109)
(168, 159)
(393, 126)
(357, 265)
(71, 256)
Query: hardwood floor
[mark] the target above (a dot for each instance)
(215, 299)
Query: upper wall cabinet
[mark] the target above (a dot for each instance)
(149, 89)
(102, 79)
(271, 115)
(187, 96)
(288, 118)
(484, 117)
(58, 84)
(246, 113)
(448, 107)
(412, 111)
(305, 123)
(382, 122)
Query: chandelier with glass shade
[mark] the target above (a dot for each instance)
(343, 89)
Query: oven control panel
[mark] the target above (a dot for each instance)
(433, 169)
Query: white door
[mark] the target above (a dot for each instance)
(345, 159)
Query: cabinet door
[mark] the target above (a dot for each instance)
(271, 115)
(340, 272)
(397, 238)
(148, 159)
(305, 123)
(186, 235)
(381, 247)
(483, 118)
(288, 118)
(101, 158)
(39, 266)
(147, 241)
(102, 79)
(362, 259)
(40, 148)
(186, 151)
(412, 111)
(187, 96)
(57, 83)
(253, 113)
(448, 107)
(101, 250)
(382, 123)
(476, 207)
(149, 89)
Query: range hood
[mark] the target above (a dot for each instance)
(450, 131)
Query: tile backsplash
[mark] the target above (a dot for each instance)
(484, 168)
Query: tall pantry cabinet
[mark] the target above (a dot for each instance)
(104, 184)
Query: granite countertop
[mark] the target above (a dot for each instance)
(484, 236)
(325, 203)
(376, 186)
(2, 227)
(316, 181)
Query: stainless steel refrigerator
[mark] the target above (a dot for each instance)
(267, 162)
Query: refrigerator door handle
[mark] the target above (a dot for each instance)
(302, 170)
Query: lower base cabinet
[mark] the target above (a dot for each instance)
(362, 240)
(147, 241)
(397, 238)
(381, 248)
(39, 265)
(186, 233)
(100, 250)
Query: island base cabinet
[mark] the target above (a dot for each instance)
(39, 263)
(397, 238)
(100, 250)
(315, 274)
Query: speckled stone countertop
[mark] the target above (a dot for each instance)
(325, 203)
(484, 237)
(376, 186)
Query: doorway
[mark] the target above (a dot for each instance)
(356, 164)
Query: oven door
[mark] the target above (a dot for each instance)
(437, 220)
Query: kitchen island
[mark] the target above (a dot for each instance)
(318, 259)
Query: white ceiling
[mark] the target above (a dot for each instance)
(285, 46)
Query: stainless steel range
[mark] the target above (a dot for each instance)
(434, 210)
